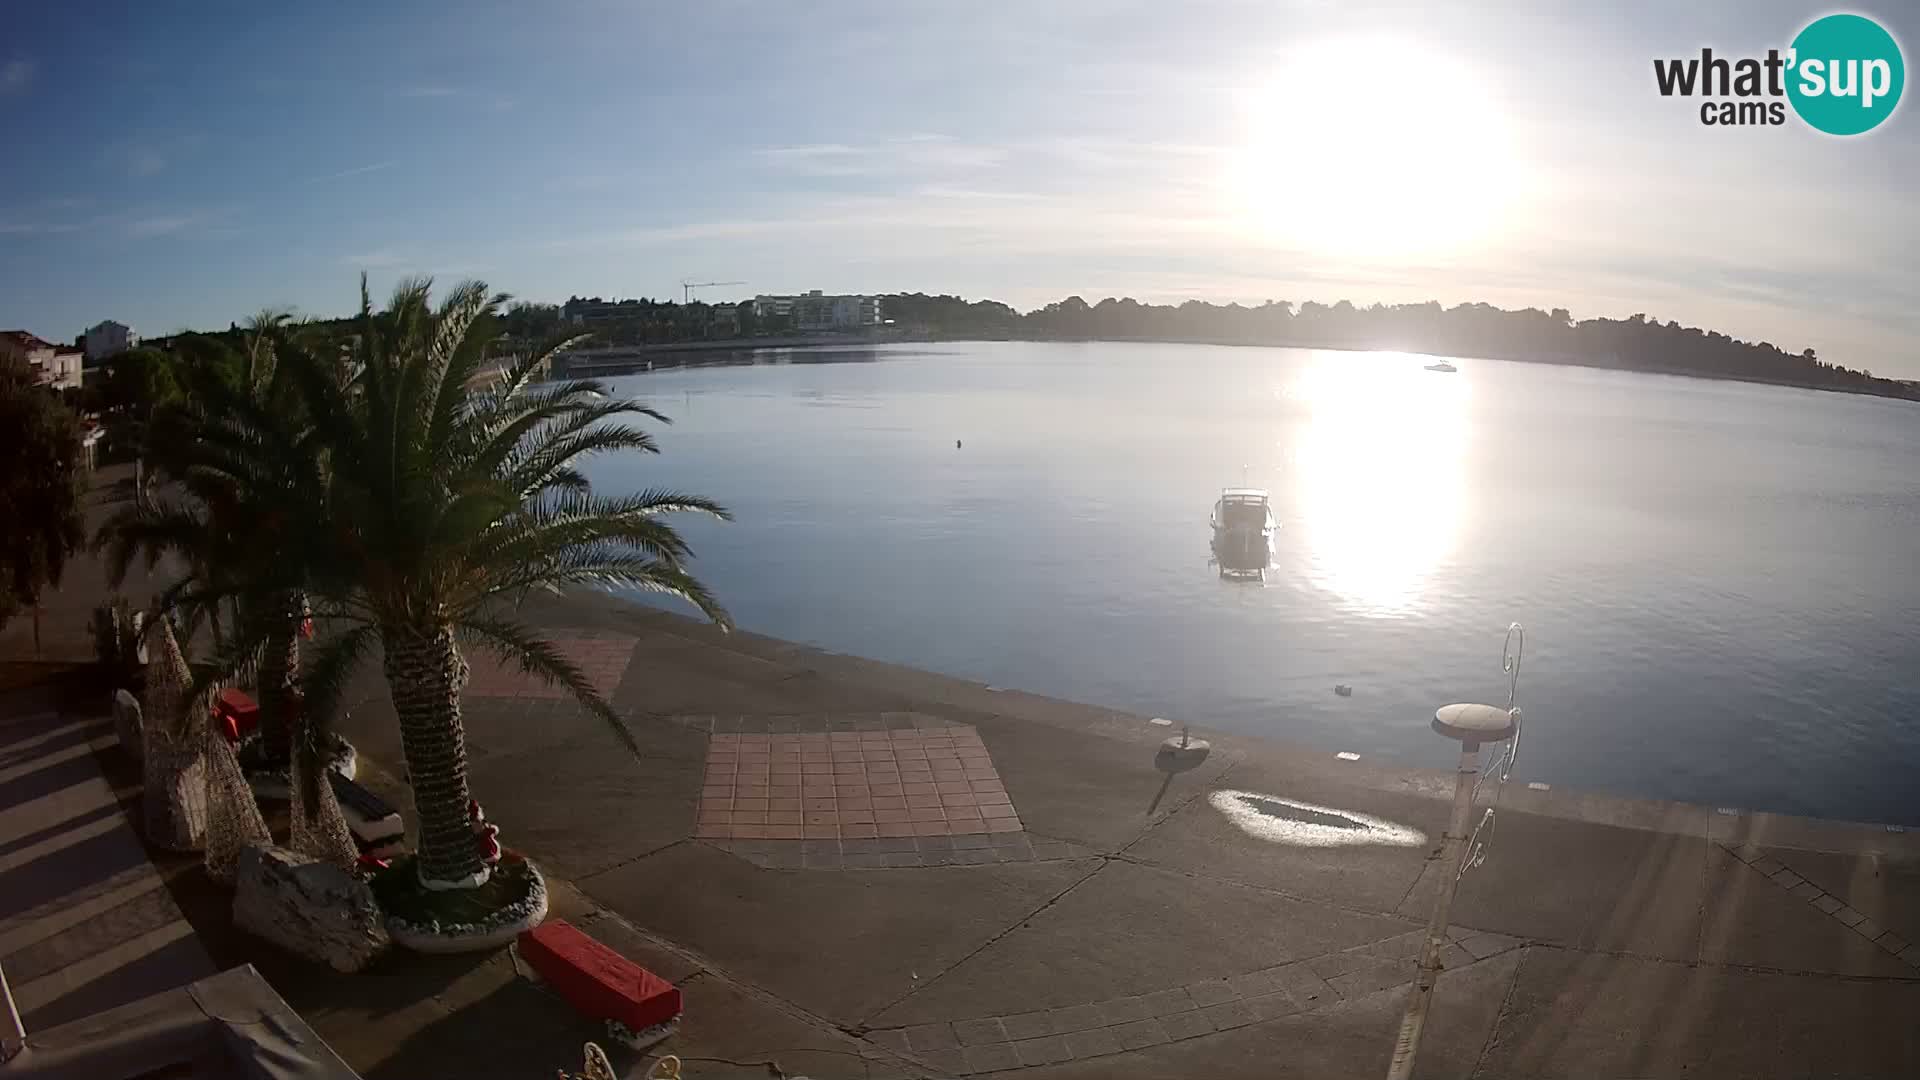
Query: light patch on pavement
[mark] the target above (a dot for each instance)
(1288, 821)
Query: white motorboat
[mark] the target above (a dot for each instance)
(1243, 529)
(1442, 365)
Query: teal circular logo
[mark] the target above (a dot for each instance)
(1845, 74)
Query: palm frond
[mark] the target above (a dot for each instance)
(515, 642)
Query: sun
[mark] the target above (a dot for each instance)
(1372, 148)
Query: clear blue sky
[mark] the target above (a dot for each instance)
(183, 165)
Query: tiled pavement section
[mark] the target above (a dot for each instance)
(903, 851)
(994, 1043)
(602, 659)
(1827, 903)
(886, 782)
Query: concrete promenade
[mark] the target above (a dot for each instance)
(854, 869)
(1127, 930)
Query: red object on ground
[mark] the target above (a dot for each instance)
(237, 711)
(594, 979)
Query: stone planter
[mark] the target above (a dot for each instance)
(310, 908)
(499, 930)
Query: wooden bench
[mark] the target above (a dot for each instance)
(600, 983)
(375, 825)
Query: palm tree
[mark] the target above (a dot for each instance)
(446, 503)
(244, 465)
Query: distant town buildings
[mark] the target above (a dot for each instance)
(109, 338)
(815, 311)
(52, 365)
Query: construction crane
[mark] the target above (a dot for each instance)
(687, 287)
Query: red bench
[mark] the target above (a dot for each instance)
(237, 712)
(600, 983)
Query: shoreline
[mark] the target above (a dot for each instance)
(609, 365)
(1585, 805)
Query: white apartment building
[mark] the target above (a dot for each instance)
(815, 310)
(109, 338)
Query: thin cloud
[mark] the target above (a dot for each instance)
(427, 92)
(160, 225)
(344, 173)
(911, 154)
(15, 74)
(34, 228)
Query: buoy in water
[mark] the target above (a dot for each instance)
(1343, 690)
(956, 444)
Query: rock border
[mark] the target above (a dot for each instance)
(500, 929)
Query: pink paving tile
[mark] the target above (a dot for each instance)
(998, 825)
(926, 813)
(929, 799)
(996, 810)
(954, 813)
(750, 817)
(880, 789)
(896, 828)
(966, 826)
(783, 832)
(932, 828)
(912, 788)
(783, 791)
(750, 804)
(952, 787)
(822, 817)
(792, 803)
(715, 804)
(858, 832)
(853, 802)
(889, 802)
(713, 831)
(749, 832)
(965, 798)
(856, 817)
(817, 768)
(716, 817)
(783, 817)
(886, 816)
(826, 803)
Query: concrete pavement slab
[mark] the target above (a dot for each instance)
(1593, 1015)
(846, 943)
(1176, 928)
(1753, 920)
(1884, 888)
(1578, 883)
(1092, 791)
(1352, 1039)
(587, 804)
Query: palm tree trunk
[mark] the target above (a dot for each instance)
(279, 672)
(424, 674)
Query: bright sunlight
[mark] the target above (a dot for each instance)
(1375, 148)
(1380, 465)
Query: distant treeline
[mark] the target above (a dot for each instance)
(1638, 343)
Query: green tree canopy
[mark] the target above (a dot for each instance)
(42, 488)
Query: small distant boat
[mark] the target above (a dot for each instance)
(1243, 529)
(1441, 365)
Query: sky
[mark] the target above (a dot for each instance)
(204, 161)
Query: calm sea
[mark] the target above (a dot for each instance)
(1720, 583)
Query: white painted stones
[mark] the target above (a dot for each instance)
(1281, 820)
(308, 907)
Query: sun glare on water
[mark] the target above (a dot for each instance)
(1381, 469)
(1372, 148)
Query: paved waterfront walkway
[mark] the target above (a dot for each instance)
(1129, 926)
(86, 922)
(805, 848)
